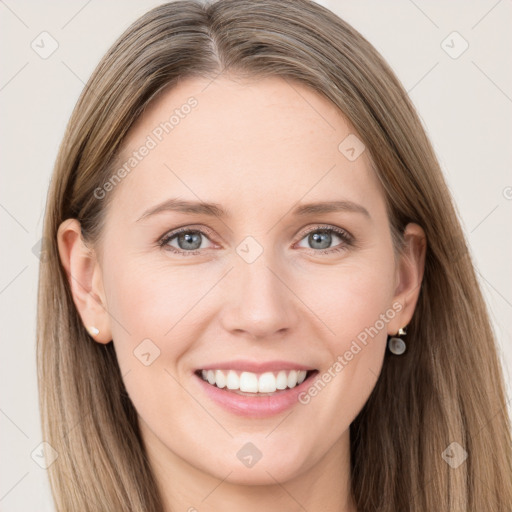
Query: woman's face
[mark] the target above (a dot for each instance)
(266, 285)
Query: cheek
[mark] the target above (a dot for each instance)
(152, 331)
(152, 302)
(349, 298)
(354, 306)
(149, 291)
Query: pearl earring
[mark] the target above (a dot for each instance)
(396, 345)
(93, 331)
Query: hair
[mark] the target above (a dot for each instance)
(448, 386)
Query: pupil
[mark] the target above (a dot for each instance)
(191, 240)
(317, 238)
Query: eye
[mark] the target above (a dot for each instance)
(188, 242)
(185, 241)
(320, 239)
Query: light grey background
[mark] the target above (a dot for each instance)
(465, 104)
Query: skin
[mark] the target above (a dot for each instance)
(246, 144)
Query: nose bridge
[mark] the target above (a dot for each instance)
(260, 303)
(259, 281)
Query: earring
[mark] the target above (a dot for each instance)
(396, 345)
(93, 331)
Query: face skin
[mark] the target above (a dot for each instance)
(258, 149)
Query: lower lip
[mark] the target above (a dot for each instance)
(256, 406)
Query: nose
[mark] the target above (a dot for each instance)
(260, 303)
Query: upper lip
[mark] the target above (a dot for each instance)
(256, 366)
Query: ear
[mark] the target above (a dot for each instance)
(409, 275)
(85, 279)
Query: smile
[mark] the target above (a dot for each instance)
(251, 394)
(249, 382)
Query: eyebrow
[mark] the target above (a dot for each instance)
(216, 210)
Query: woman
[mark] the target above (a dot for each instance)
(257, 291)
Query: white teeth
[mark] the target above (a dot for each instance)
(233, 382)
(292, 379)
(282, 380)
(267, 383)
(220, 379)
(250, 382)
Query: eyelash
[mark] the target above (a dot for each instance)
(347, 239)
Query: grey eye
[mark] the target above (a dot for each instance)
(320, 239)
(187, 240)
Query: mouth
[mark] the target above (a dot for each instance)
(250, 384)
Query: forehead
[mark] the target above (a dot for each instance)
(240, 141)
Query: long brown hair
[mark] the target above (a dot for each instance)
(448, 386)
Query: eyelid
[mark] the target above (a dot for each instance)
(343, 233)
(187, 227)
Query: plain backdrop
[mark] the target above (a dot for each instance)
(463, 96)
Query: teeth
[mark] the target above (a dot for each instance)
(220, 379)
(249, 382)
